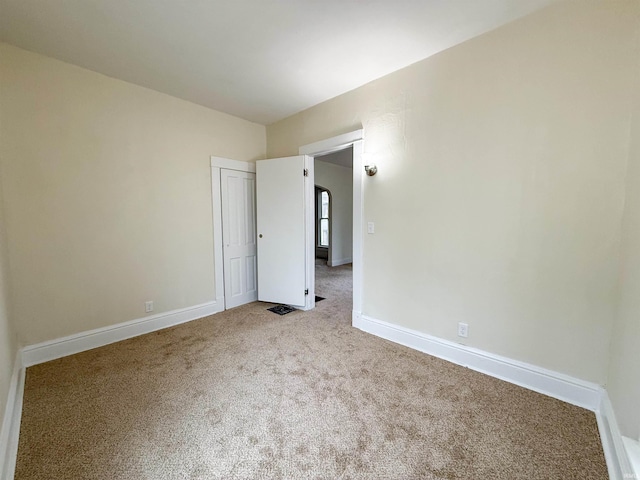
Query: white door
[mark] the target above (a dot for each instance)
(282, 245)
(239, 237)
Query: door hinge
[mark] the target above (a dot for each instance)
(306, 292)
(306, 172)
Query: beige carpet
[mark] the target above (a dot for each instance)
(250, 394)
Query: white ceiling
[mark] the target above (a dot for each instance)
(344, 158)
(261, 60)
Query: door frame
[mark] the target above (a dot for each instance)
(353, 139)
(218, 163)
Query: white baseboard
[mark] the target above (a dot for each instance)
(340, 261)
(220, 304)
(632, 447)
(554, 384)
(62, 347)
(43, 352)
(10, 431)
(612, 440)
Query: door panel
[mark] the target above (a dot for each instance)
(281, 230)
(238, 236)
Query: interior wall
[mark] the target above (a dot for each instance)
(623, 384)
(339, 181)
(500, 190)
(107, 191)
(8, 341)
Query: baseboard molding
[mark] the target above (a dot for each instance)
(340, 261)
(554, 384)
(62, 347)
(612, 441)
(10, 431)
(80, 342)
(632, 448)
(220, 304)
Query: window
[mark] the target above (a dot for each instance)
(323, 218)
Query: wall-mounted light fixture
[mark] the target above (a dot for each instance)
(371, 170)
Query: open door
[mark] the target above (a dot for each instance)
(282, 226)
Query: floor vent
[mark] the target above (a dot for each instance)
(282, 309)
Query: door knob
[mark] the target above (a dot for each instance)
(260, 235)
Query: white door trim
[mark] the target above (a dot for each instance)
(356, 140)
(333, 144)
(10, 427)
(216, 207)
(220, 162)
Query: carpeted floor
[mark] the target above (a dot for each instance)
(250, 394)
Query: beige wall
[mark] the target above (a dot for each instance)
(339, 181)
(500, 190)
(8, 341)
(624, 372)
(107, 195)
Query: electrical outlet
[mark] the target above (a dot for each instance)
(148, 307)
(463, 330)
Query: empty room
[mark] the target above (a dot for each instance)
(299, 239)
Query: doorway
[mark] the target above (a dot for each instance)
(333, 176)
(305, 162)
(351, 144)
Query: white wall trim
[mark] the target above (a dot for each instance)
(356, 140)
(61, 347)
(10, 431)
(612, 440)
(340, 261)
(358, 231)
(220, 162)
(218, 249)
(632, 448)
(554, 384)
(333, 144)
